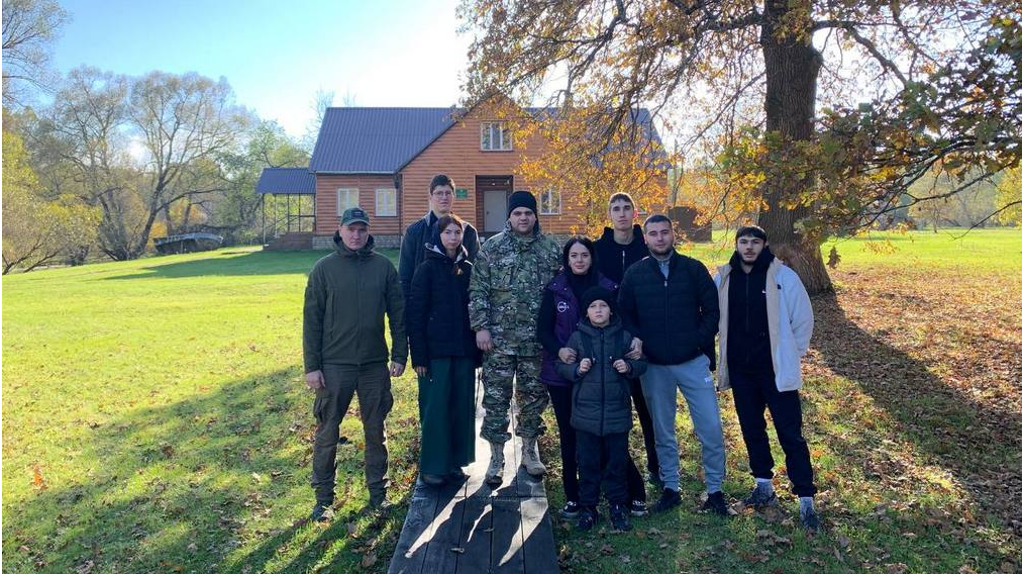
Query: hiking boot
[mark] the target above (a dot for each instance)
(379, 500)
(432, 479)
(496, 469)
(669, 500)
(761, 498)
(322, 512)
(715, 504)
(531, 458)
(638, 508)
(588, 518)
(570, 510)
(809, 518)
(620, 518)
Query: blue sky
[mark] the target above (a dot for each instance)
(277, 54)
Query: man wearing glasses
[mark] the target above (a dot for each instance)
(441, 196)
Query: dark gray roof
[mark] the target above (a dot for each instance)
(290, 180)
(384, 140)
(376, 140)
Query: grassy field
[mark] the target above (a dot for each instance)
(155, 420)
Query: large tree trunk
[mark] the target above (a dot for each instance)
(791, 68)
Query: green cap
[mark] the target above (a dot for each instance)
(354, 215)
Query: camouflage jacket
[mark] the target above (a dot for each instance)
(507, 286)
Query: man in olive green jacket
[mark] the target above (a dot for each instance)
(347, 296)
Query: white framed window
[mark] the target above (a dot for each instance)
(386, 199)
(494, 137)
(347, 197)
(551, 202)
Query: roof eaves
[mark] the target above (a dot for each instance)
(360, 172)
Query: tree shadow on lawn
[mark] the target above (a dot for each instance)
(230, 264)
(194, 485)
(978, 442)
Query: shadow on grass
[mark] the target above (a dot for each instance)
(206, 483)
(978, 442)
(229, 263)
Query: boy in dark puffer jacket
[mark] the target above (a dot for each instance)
(601, 411)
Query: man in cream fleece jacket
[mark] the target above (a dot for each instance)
(764, 329)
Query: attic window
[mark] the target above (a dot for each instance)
(494, 137)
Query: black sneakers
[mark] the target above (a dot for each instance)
(588, 518)
(620, 518)
(570, 510)
(638, 508)
(761, 498)
(379, 501)
(715, 504)
(669, 500)
(322, 512)
(809, 518)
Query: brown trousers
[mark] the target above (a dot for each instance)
(372, 384)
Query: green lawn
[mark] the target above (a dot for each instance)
(156, 420)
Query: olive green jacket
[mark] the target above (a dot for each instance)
(347, 295)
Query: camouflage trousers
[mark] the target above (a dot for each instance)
(531, 396)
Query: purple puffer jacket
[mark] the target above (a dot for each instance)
(567, 315)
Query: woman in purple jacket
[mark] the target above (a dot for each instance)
(559, 313)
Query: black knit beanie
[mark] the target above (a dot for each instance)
(521, 199)
(595, 293)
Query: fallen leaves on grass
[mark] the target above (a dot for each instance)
(38, 482)
(939, 354)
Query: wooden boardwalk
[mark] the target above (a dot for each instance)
(470, 527)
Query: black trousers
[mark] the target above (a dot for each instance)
(561, 402)
(752, 393)
(603, 459)
(644, 415)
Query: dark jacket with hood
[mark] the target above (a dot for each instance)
(750, 348)
(613, 259)
(347, 295)
(438, 316)
(560, 313)
(675, 317)
(419, 238)
(600, 397)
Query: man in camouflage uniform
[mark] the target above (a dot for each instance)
(505, 292)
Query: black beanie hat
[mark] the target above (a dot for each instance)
(521, 199)
(595, 293)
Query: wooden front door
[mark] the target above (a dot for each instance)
(492, 201)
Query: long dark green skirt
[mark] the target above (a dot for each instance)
(447, 415)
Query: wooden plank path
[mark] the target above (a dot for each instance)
(471, 527)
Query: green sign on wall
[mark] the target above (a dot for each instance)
(461, 193)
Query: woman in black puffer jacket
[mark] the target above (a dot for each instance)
(444, 354)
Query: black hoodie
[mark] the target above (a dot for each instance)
(750, 348)
(613, 259)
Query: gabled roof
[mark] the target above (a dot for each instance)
(376, 140)
(384, 140)
(286, 180)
